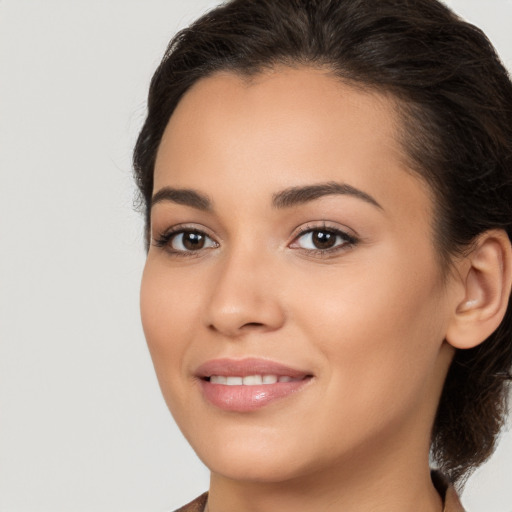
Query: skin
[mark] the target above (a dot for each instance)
(368, 320)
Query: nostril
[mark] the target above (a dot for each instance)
(235, 318)
(234, 330)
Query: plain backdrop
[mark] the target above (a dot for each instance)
(83, 426)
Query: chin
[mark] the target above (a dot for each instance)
(252, 458)
(262, 469)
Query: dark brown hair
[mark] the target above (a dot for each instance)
(455, 100)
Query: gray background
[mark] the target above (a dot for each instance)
(82, 424)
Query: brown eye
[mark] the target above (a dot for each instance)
(323, 240)
(187, 241)
(192, 241)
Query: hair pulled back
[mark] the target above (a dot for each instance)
(454, 98)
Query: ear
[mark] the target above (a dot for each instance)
(485, 282)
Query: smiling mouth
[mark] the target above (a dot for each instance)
(252, 380)
(249, 384)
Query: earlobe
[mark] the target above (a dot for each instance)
(486, 275)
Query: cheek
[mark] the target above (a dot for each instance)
(379, 325)
(168, 316)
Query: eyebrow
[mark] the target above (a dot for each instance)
(184, 196)
(286, 198)
(294, 196)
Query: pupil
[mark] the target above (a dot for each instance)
(323, 239)
(193, 241)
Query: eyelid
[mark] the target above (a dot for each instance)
(347, 234)
(181, 226)
(324, 225)
(164, 238)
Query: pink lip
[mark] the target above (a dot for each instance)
(240, 398)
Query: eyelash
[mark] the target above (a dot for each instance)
(348, 241)
(165, 239)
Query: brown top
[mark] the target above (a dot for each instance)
(195, 506)
(450, 498)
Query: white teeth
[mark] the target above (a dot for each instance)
(253, 380)
(234, 381)
(249, 380)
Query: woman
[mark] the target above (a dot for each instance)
(328, 196)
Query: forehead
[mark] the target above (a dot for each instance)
(300, 111)
(287, 126)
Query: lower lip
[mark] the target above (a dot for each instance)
(248, 398)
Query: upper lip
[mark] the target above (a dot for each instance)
(248, 366)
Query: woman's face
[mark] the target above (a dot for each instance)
(292, 300)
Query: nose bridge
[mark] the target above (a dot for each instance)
(243, 297)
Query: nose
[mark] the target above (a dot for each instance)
(244, 297)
